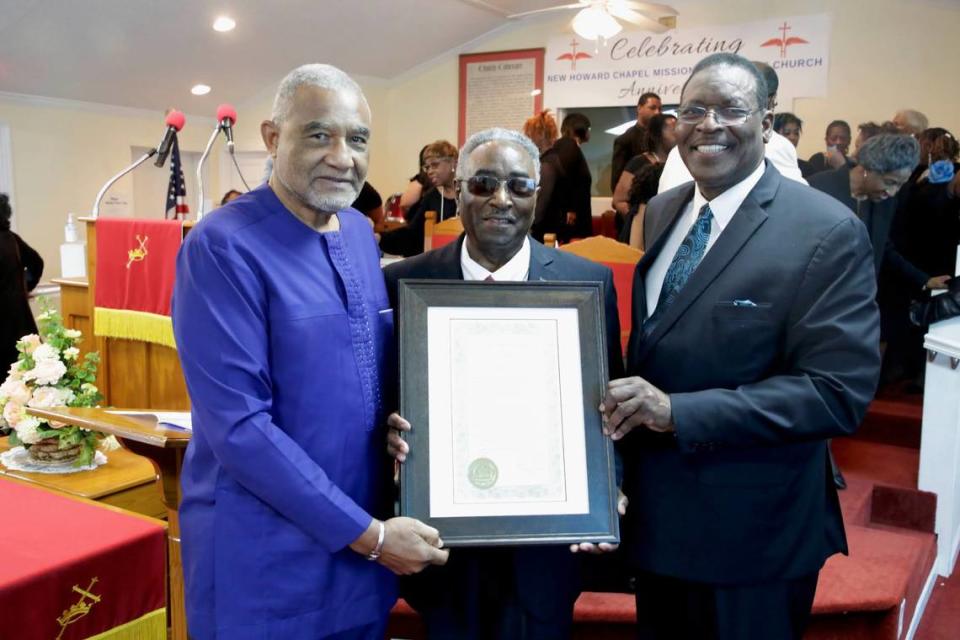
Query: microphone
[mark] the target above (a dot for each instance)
(227, 117)
(175, 121)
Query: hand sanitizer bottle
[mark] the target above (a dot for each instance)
(73, 252)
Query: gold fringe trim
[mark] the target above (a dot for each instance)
(133, 325)
(152, 626)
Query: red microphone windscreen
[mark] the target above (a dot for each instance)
(176, 119)
(227, 112)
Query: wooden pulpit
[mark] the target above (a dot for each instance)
(132, 373)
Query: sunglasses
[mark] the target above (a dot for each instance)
(486, 186)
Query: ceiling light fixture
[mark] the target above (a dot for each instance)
(223, 23)
(595, 22)
(600, 19)
(200, 89)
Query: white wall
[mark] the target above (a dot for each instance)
(62, 153)
(885, 55)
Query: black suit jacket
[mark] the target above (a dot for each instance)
(878, 218)
(741, 493)
(547, 578)
(627, 145)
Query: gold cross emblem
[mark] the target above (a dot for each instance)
(138, 254)
(78, 609)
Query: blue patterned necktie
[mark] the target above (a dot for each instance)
(684, 263)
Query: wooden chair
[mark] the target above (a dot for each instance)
(622, 259)
(437, 234)
(606, 224)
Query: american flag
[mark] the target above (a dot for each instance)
(177, 207)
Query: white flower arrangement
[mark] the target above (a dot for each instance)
(50, 373)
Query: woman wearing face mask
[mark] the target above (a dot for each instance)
(926, 232)
(837, 140)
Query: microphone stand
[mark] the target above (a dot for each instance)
(203, 159)
(103, 191)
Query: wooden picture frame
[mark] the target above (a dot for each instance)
(530, 464)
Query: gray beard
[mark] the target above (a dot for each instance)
(321, 203)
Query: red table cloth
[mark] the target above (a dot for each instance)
(71, 569)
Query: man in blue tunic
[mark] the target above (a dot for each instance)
(284, 329)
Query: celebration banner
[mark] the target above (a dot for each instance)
(579, 73)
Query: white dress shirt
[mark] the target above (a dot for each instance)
(779, 151)
(724, 206)
(517, 269)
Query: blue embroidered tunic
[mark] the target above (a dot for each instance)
(284, 335)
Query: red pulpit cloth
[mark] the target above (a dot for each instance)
(71, 570)
(136, 265)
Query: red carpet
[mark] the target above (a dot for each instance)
(870, 594)
(942, 618)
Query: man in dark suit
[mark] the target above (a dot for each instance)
(754, 339)
(522, 593)
(631, 142)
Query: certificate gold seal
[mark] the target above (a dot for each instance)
(482, 473)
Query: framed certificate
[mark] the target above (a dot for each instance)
(502, 382)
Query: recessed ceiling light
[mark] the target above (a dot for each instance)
(536, 92)
(223, 23)
(200, 90)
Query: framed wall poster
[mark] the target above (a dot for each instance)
(499, 89)
(501, 382)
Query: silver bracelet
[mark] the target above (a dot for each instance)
(377, 550)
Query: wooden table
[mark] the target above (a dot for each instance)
(126, 481)
(162, 447)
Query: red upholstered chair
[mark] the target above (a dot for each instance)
(437, 234)
(622, 259)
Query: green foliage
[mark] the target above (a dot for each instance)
(80, 379)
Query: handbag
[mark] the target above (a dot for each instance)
(923, 313)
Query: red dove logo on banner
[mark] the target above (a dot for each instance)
(574, 55)
(784, 42)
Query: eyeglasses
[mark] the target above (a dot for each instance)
(724, 116)
(434, 163)
(486, 186)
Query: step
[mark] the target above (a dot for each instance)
(893, 421)
(872, 593)
(890, 465)
(862, 595)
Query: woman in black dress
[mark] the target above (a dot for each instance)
(659, 138)
(439, 165)
(563, 204)
(926, 231)
(20, 271)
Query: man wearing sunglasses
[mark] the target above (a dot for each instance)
(755, 338)
(523, 593)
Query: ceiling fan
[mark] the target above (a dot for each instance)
(597, 19)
